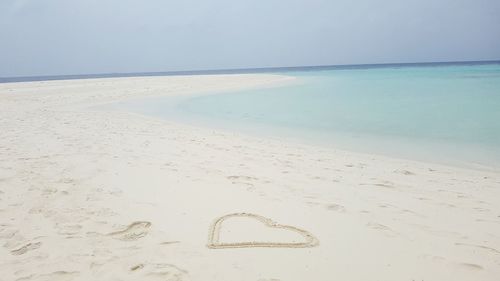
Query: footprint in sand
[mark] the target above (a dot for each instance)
(470, 266)
(54, 276)
(385, 229)
(159, 271)
(386, 184)
(243, 180)
(26, 248)
(69, 229)
(6, 232)
(335, 207)
(237, 179)
(133, 232)
(490, 249)
(404, 172)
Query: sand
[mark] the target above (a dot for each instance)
(90, 194)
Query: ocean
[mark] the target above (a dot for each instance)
(444, 113)
(440, 112)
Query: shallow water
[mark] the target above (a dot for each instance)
(443, 113)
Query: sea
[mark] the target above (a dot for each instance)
(446, 113)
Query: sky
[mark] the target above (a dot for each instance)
(60, 37)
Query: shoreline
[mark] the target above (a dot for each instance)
(292, 135)
(103, 194)
(294, 141)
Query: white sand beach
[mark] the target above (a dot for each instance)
(90, 194)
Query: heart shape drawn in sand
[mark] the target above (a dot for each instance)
(215, 228)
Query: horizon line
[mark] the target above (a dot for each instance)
(33, 78)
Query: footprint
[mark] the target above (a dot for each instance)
(170, 242)
(490, 249)
(133, 232)
(60, 276)
(378, 226)
(54, 276)
(7, 233)
(386, 184)
(160, 271)
(471, 266)
(247, 178)
(336, 207)
(26, 248)
(137, 267)
(404, 172)
(385, 229)
(69, 229)
(243, 180)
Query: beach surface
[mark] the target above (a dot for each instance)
(93, 194)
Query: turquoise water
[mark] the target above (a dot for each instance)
(445, 113)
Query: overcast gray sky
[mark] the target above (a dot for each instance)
(101, 36)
